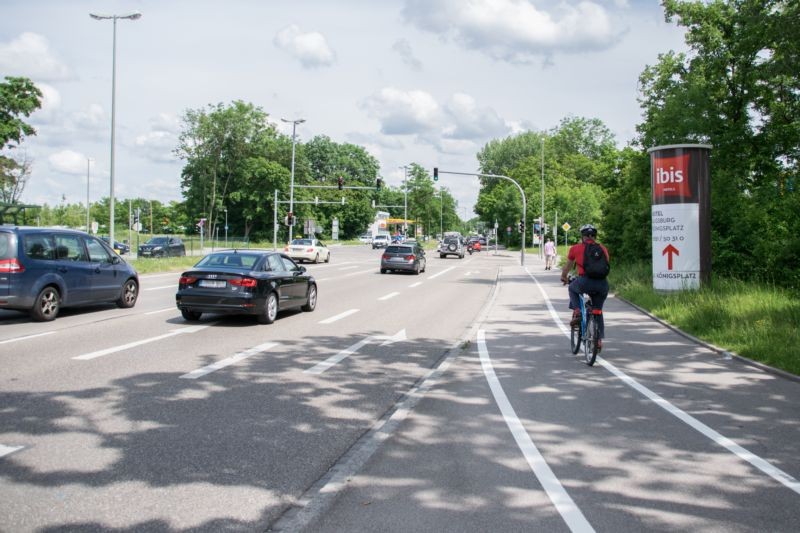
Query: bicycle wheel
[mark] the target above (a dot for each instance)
(589, 344)
(575, 338)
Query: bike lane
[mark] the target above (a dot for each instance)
(624, 463)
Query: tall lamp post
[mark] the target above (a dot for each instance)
(541, 225)
(294, 124)
(226, 227)
(130, 16)
(88, 209)
(405, 200)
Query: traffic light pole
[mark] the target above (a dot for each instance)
(436, 173)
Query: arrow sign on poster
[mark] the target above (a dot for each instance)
(669, 251)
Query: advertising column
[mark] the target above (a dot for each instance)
(681, 216)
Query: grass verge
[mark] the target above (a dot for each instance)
(149, 265)
(758, 321)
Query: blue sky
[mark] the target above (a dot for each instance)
(426, 81)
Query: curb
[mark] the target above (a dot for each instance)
(714, 348)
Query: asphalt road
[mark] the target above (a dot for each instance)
(447, 401)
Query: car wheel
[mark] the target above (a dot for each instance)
(383, 271)
(311, 302)
(47, 305)
(328, 258)
(452, 247)
(416, 270)
(424, 266)
(442, 256)
(130, 292)
(183, 252)
(191, 316)
(316, 259)
(270, 309)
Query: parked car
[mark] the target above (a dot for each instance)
(451, 245)
(250, 282)
(380, 241)
(366, 238)
(162, 247)
(43, 270)
(408, 257)
(308, 250)
(119, 247)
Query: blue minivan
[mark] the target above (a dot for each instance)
(45, 269)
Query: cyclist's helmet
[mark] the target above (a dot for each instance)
(588, 230)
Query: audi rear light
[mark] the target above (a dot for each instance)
(242, 282)
(409, 257)
(186, 280)
(11, 266)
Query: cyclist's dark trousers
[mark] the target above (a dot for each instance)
(597, 288)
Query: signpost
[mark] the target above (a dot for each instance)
(335, 229)
(681, 216)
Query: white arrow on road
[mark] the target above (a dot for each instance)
(319, 368)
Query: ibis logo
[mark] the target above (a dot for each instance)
(671, 176)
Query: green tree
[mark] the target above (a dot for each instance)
(19, 97)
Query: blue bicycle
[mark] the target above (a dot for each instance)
(587, 332)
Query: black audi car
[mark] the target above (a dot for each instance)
(251, 282)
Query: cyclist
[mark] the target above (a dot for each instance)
(595, 286)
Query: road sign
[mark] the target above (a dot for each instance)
(565, 226)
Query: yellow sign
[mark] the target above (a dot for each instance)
(566, 226)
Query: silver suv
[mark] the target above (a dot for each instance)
(451, 245)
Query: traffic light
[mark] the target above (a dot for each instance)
(378, 184)
(435, 173)
(522, 226)
(341, 182)
(290, 219)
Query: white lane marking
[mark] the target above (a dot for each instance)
(570, 512)
(5, 450)
(445, 271)
(162, 311)
(350, 274)
(194, 374)
(321, 367)
(173, 286)
(467, 274)
(26, 337)
(390, 295)
(339, 316)
(417, 284)
(349, 268)
(115, 349)
(763, 465)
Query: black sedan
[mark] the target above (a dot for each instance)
(251, 282)
(162, 247)
(120, 247)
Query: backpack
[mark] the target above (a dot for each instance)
(595, 262)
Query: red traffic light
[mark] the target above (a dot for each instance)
(341, 182)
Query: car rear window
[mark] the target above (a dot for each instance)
(399, 250)
(448, 240)
(302, 242)
(8, 248)
(229, 260)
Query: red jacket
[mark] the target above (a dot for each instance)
(576, 254)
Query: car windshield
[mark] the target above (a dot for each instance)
(381, 237)
(158, 240)
(303, 242)
(399, 250)
(231, 260)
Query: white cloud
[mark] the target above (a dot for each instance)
(29, 55)
(516, 30)
(470, 122)
(68, 162)
(404, 112)
(311, 49)
(403, 48)
(158, 143)
(51, 105)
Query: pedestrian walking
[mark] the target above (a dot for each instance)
(549, 254)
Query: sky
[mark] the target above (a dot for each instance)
(423, 81)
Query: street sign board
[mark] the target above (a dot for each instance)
(565, 226)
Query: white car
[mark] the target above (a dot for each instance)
(365, 238)
(308, 250)
(380, 241)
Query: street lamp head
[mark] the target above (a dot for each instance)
(296, 121)
(130, 16)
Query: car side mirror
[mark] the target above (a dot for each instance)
(116, 260)
(301, 268)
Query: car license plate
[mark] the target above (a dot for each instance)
(396, 259)
(145, 252)
(211, 283)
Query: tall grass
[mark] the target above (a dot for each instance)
(758, 321)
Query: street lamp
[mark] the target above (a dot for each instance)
(294, 124)
(130, 16)
(405, 200)
(88, 209)
(226, 227)
(441, 214)
(541, 222)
